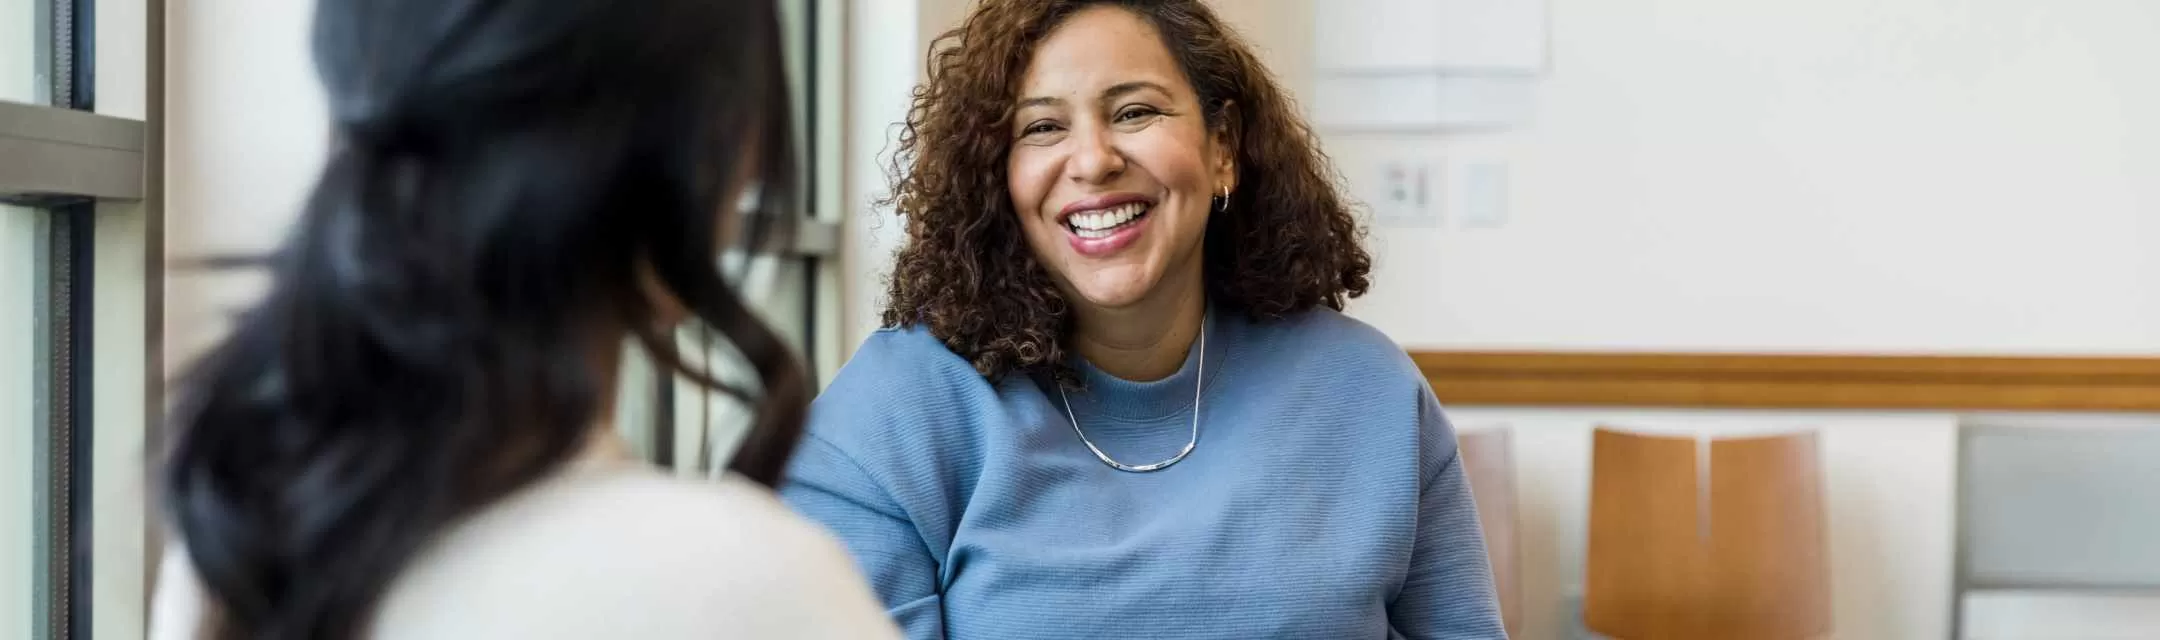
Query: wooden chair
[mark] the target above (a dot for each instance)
(1488, 458)
(1706, 539)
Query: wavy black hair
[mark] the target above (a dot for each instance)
(513, 188)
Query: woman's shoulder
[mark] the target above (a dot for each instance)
(1337, 340)
(632, 502)
(899, 379)
(632, 552)
(905, 354)
(622, 552)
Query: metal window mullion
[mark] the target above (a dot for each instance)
(810, 146)
(58, 55)
(62, 447)
(63, 607)
(48, 440)
(74, 75)
(82, 234)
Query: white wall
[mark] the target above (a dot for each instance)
(1878, 175)
(246, 133)
(883, 65)
(119, 366)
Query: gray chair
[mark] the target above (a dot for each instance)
(2056, 508)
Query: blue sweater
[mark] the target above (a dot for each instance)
(1324, 500)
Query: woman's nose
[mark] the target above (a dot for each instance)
(1095, 158)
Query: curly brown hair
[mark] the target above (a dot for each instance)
(1288, 241)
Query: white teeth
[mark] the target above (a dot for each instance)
(1098, 224)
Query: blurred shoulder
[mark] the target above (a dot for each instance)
(632, 552)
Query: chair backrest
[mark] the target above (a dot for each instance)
(1769, 538)
(1488, 458)
(2055, 507)
(1706, 539)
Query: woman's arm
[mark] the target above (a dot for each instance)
(1449, 591)
(829, 487)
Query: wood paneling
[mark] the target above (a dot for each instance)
(1792, 381)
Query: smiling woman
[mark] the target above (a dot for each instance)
(1102, 142)
(1114, 382)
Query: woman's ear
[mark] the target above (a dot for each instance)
(1225, 142)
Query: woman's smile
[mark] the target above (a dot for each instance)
(1102, 226)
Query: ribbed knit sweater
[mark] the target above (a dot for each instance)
(1324, 499)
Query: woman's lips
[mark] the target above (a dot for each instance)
(1120, 237)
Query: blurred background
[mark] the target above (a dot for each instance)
(1869, 287)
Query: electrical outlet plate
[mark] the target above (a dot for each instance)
(1404, 192)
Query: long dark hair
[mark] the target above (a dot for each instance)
(510, 185)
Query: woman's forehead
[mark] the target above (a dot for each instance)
(1096, 50)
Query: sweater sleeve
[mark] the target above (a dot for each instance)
(828, 486)
(1448, 593)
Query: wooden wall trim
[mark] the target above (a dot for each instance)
(1792, 381)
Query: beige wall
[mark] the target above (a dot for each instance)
(1280, 30)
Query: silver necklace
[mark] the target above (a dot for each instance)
(1198, 383)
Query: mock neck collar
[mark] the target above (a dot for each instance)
(1107, 396)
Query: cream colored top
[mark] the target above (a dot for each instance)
(609, 548)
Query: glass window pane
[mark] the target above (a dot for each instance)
(20, 308)
(25, 30)
(18, 238)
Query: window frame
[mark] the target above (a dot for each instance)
(65, 161)
(692, 429)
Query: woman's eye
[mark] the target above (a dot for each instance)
(1039, 128)
(1135, 113)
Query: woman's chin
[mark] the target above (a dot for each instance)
(1115, 294)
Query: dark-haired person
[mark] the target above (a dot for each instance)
(407, 438)
(1115, 396)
